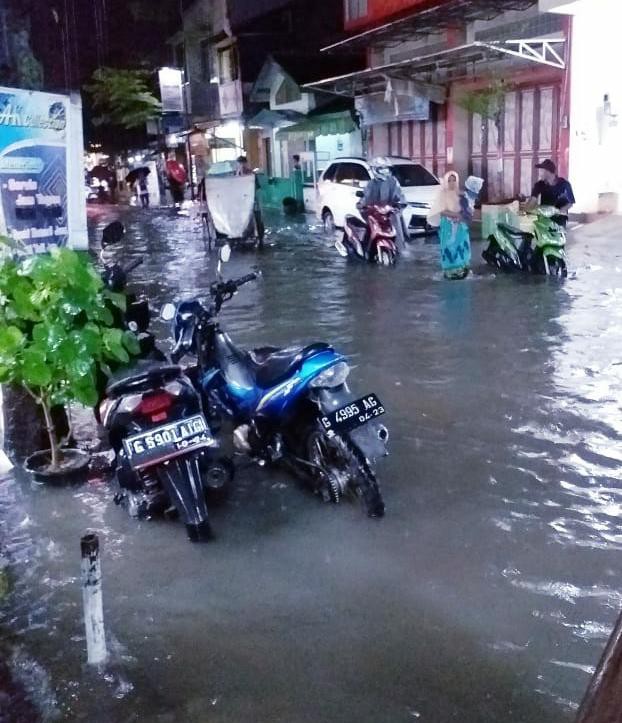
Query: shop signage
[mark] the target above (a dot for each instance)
(171, 90)
(375, 109)
(42, 200)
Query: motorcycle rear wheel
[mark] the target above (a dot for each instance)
(345, 470)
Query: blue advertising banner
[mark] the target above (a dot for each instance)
(35, 148)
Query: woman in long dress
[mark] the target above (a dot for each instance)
(452, 212)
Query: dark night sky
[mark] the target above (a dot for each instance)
(94, 32)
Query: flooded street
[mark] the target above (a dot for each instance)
(487, 592)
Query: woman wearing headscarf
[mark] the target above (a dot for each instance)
(452, 212)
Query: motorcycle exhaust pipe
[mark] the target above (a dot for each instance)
(181, 479)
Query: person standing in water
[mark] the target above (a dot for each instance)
(143, 190)
(451, 213)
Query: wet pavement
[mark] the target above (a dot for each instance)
(487, 592)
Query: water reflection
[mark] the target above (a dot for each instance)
(485, 594)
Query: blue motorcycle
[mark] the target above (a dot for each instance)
(289, 406)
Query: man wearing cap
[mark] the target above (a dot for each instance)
(551, 190)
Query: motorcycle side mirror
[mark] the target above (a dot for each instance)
(223, 256)
(167, 312)
(225, 253)
(360, 194)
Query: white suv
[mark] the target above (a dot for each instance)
(344, 177)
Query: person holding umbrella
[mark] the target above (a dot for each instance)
(138, 179)
(143, 191)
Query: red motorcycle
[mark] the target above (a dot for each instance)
(374, 240)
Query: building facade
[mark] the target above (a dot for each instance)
(595, 121)
(224, 47)
(431, 64)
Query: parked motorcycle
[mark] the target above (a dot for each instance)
(289, 406)
(539, 251)
(165, 453)
(374, 241)
(137, 315)
(166, 457)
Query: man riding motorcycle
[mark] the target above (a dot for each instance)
(552, 190)
(384, 190)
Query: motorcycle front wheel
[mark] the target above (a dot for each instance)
(386, 258)
(557, 267)
(344, 471)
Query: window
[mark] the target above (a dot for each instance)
(206, 69)
(352, 174)
(228, 64)
(356, 9)
(412, 174)
(288, 92)
(329, 173)
(180, 56)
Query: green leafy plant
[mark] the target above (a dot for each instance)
(56, 327)
(122, 98)
(486, 102)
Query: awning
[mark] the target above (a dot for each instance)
(443, 66)
(327, 124)
(274, 118)
(422, 23)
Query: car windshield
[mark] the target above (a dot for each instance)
(412, 174)
(222, 168)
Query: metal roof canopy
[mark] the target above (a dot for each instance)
(443, 66)
(438, 19)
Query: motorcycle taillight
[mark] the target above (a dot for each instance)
(155, 405)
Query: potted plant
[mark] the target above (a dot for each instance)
(56, 330)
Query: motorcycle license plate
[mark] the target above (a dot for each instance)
(354, 414)
(168, 441)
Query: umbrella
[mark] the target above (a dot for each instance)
(102, 172)
(133, 175)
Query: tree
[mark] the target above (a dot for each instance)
(122, 98)
(56, 329)
(489, 103)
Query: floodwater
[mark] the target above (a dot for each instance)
(487, 592)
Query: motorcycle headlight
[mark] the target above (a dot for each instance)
(334, 376)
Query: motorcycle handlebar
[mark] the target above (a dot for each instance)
(231, 286)
(246, 279)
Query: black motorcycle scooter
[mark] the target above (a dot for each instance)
(166, 457)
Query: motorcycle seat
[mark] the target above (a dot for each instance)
(516, 232)
(272, 365)
(144, 374)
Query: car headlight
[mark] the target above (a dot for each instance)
(334, 376)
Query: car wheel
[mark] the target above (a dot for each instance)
(328, 222)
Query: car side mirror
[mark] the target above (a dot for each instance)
(167, 313)
(360, 194)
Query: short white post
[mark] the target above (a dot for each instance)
(92, 600)
(5, 463)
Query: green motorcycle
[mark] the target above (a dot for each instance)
(538, 247)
